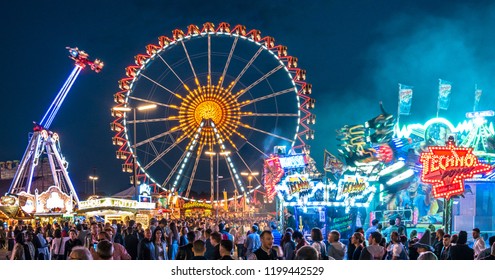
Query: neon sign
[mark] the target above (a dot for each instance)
(293, 161)
(273, 173)
(446, 167)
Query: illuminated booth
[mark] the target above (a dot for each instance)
(119, 209)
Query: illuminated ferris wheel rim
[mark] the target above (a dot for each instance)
(155, 51)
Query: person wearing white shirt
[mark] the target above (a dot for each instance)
(479, 243)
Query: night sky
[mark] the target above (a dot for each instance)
(355, 54)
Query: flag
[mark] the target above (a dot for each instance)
(444, 89)
(332, 164)
(405, 99)
(477, 97)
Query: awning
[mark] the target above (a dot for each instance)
(14, 212)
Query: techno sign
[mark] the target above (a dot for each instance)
(446, 167)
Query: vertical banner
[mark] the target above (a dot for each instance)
(405, 99)
(477, 97)
(332, 164)
(444, 89)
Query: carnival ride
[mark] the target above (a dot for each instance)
(218, 91)
(58, 194)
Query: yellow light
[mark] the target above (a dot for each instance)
(146, 107)
(122, 109)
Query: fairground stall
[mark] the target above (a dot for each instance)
(109, 209)
(378, 174)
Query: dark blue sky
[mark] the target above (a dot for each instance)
(355, 54)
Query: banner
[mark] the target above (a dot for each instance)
(405, 99)
(444, 89)
(332, 164)
(477, 97)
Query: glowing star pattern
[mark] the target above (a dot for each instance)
(446, 167)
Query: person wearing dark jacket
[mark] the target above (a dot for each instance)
(131, 241)
(71, 243)
(199, 250)
(146, 248)
(461, 250)
(215, 239)
(186, 251)
(226, 247)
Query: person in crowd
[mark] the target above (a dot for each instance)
(43, 251)
(58, 245)
(492, 254)
(80, 253)
(445, 252)
(185, 252)
(199, 250)
(373, 251)
(461, 250)
(372, 228)
(266, 251)
(119, 251)
(18, 252)
(226, 247)
(392, 227)
(209, 248)
(485, 253)
(153, 224)
(335, 248)
(146, 248)
(131, 240)
(306, 252)
(105, 250)
(438, 242)
(225, 234)
(30, 251)
(240, 239)
(277, 236)
(357, 239)
(10, 239)
(173, 241)
(300, 240)
(253, 241)
(183, 236)
(117, 237)
(160, 244)
(395, 250)
(289, 246)
(3, 236)
(479, 243)
(350, 247)
(427, 256)
(71, 243)
(317, 238)
(215, 239)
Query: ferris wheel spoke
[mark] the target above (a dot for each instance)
(174, 129)
(264, 77)
(172, 172)
(193, 174)
(172, 118)
(245, 103)
(256, 148)
(153, 102)
(190, 63)
(265, 132)
(250, 114)
(222, 78)
(231, 168)
(163, 87)
(250, 62)
(209, 59)
(158, 157)
(247, 166)
(171, 69)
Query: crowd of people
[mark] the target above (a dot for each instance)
(260, 239)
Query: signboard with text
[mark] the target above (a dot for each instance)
(446, 167)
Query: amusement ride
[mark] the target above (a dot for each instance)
(222, 96)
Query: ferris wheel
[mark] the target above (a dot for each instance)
(217, 98)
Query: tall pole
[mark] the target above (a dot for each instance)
(134, 171)
(218, 205)
(94, 186)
